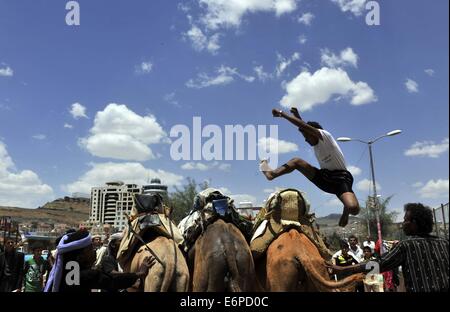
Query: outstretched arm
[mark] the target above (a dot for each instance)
(298, 121)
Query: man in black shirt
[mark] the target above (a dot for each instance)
(423, 257)
(11, 267)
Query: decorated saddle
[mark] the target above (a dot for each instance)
(210, 205)
(285, 210)
(148, 219)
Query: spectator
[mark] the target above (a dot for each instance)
(373, 282)
(11, 267)
(344, 259)
(99, 248)
(109, 262)
(35, 269)
(77, 247)
(369, 242)
(423, 257)
(355, 250)
(52, 254)
(368, 254)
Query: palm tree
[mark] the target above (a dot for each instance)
(182, 200)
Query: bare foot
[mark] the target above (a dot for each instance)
(355, 211)
(344, 218)
(265, 169)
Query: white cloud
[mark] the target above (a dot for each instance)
(229, 13)
(366, 186)
(272, 144)
(201, 42)
(195, 166)
(355, 171)
(78, 111)
(224, 167)
(317, 88)
(306, 18)
(302, 39)
(20, 188)
(68, 126)
(239, 198)
(183, 7)
(6, 72)
(171, 99)
(283, 63)
(6, 161)
(435, 189)
(39, 137)
(144, 68)
(261, 74)
(272, 190)
(417, 184)
(428, 148)
(225, 75)
(346, 57)
(205, 166)
(120, 133)
(411, 86)
(429, 72)
(130, 172)
(334, 202)
(356, 7)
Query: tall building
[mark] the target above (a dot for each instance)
(155, 186)
(110, 202)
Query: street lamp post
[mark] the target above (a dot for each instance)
(375, 196)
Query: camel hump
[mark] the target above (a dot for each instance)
(287, 204)
(284, 210)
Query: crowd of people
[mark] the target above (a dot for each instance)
(351, 253)
(422, 257)
(97, 265)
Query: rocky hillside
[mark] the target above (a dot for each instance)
(65, 210)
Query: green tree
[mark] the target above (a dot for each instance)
(334, 241)
(387, 218)
(182, 200)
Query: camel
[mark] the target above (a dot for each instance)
(221, 260)
(293, 263)
(172, 277)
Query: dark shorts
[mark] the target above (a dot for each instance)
(335, 182)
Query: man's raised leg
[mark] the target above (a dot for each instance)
(294, 164)
(351, 207)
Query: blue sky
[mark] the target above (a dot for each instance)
(142, 67)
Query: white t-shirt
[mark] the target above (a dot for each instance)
(371, 245)
(359, 256)
(328, 153)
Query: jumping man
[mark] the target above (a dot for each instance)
(332, 177)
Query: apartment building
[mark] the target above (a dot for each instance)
(109, 203)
